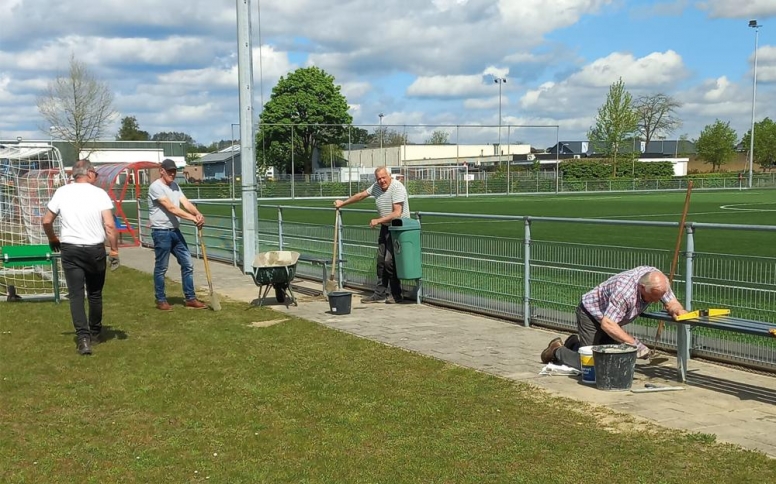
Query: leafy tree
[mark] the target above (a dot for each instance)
(331, 154)
(657, 114)
(764, 143)
(308, 100)
(438, 137)
(130, 130)
(173, 136)
(77, 106)
(388, 137)
(717, 144)
(359, 136)
(615, 123)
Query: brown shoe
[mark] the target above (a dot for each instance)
(195, 304)
(163, 306)
(548, 355)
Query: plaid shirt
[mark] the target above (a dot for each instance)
(618, 297)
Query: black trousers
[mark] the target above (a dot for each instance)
(84, 267)
(386, 266)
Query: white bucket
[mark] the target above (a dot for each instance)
(586, 363)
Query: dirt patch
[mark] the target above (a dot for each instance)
(267, 324)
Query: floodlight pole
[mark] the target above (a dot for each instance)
(500, 81)
(753, 24)
(250, 219)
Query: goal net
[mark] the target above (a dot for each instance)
(29, 175)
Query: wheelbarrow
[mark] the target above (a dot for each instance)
(275, 269)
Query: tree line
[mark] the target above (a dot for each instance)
(623, 119)
(307, 117)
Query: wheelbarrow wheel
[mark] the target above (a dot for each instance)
(280, 293)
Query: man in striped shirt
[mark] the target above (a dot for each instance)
(609, 306)
(392, 202)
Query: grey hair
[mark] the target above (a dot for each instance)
(82, 168)
(381, 168)
(654, 281)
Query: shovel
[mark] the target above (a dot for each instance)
(331, 284)
(215, 304)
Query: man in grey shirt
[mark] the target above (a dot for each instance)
(165, 199)
(392, 202)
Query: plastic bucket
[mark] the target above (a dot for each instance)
(586, 363)
(340, 301)
(614, 366)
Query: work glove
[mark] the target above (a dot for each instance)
(55, 245)
(113, 260)
(642, 351)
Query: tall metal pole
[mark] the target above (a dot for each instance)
(499, 81)
(381, 136)
(753, 24)
(557, 159)
(250, 218)
(350, 154)
(234, 178)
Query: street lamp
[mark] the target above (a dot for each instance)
(233, 176)
(754, 25)
(381, 136)
(499, 81)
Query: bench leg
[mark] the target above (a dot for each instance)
(683, 338)
(323, 280)
(55, 278)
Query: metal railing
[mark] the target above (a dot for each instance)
(524, 279)
(461, 184)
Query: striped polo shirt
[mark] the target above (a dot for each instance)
(395, 193)
(618, 297)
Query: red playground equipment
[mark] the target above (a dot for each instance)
(119, 179)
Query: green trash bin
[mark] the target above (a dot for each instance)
(405, 233)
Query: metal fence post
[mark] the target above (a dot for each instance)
(527, 273)
(683, 334)
(234, 236)
(280, 228)
(340, 245)
(419, 294)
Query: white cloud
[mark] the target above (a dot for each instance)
(486, 103)
(587, 88)
(447, 86)
(766, 64)
(656, 69)
(739, 9)
(355, 90)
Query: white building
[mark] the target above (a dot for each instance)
(423, 155)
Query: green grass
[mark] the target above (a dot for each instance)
(187, 395)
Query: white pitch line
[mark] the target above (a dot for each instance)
(734, 207)
(637, 216)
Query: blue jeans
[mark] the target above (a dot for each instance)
(165, 243)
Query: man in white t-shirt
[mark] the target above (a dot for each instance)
(165, 199)
(86, 221)
(392, 202)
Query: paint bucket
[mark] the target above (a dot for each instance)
(340, 302)
(614, 366)
(587, 365)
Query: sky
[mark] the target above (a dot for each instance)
(425, 65)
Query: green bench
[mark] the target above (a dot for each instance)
(723, 323)
(32, 255)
